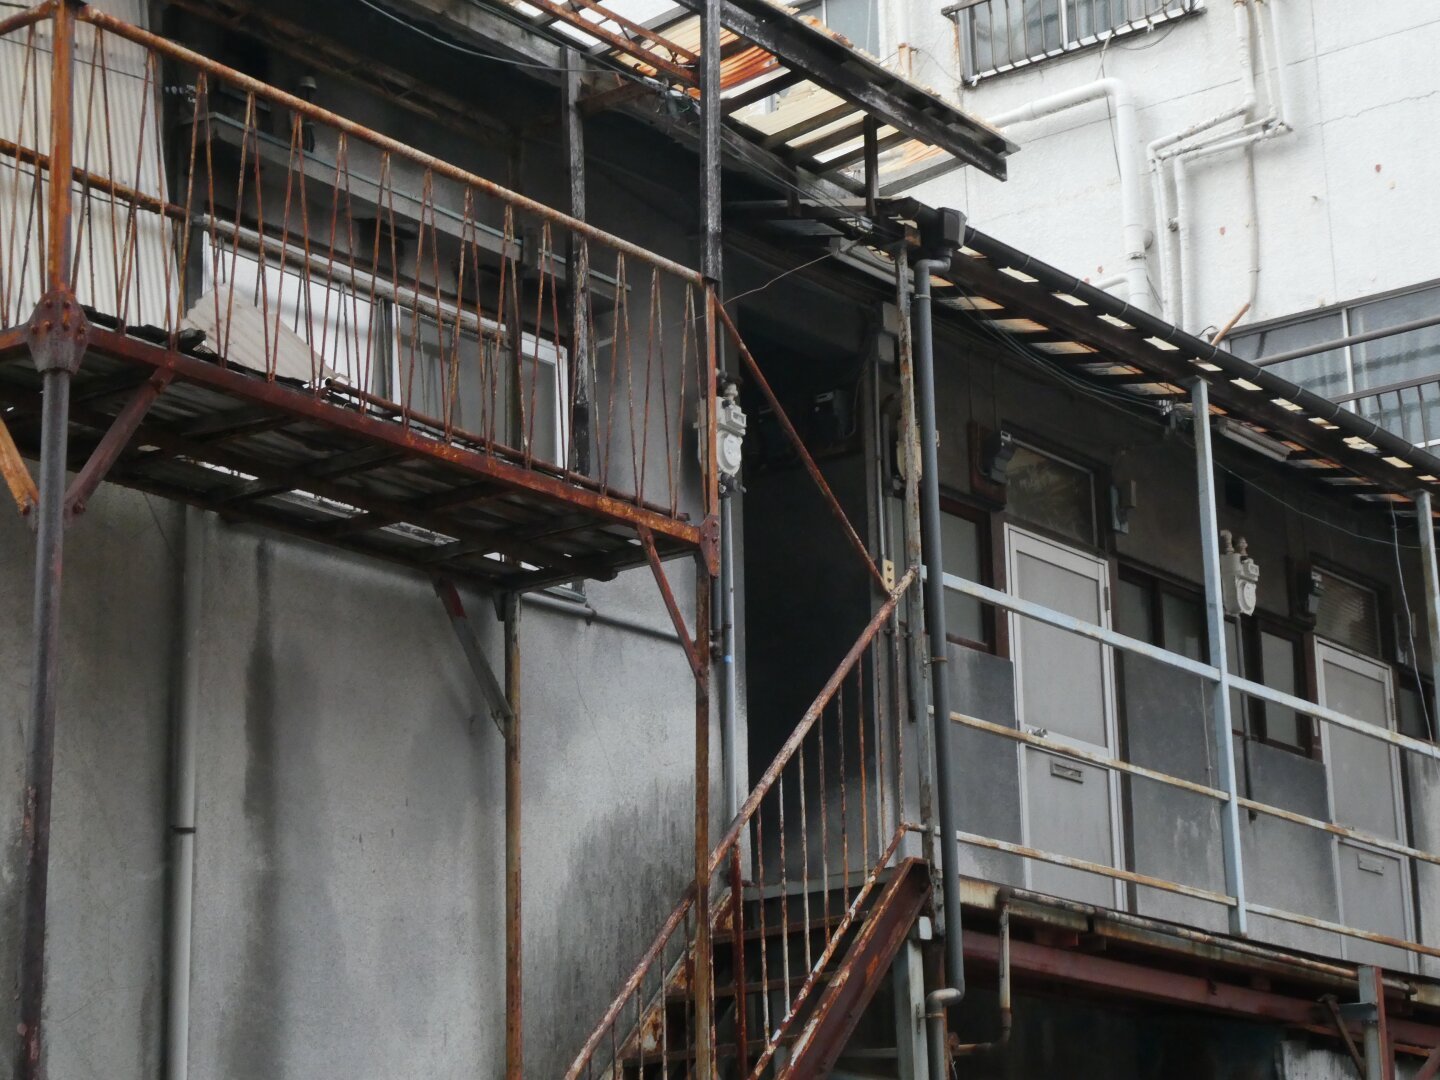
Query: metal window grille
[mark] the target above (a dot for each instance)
(1001, 35)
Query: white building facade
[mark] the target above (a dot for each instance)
(1264, 163)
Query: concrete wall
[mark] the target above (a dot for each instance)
(1342, 199)
(349, 870)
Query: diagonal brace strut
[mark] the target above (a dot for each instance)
(500, 711)
(698, 663)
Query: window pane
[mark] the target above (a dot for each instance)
(1132, 611)
(960, 539)
(1414, 412)
(1277, 661)
(1184, 625)
(1235, 666)
(1322, 374)
(1349, 615)
(1414, 714)
(1052, 494)
(856, 19)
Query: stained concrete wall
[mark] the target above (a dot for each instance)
(349, 871)
(1350, 181)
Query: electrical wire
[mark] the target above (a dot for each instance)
(1410, 624)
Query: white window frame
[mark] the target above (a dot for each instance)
(966, 11)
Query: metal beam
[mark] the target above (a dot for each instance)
(1215, 625)
(698, 663)
(17, 473)
(500, 710)
(1379, 1056)
(112, 444)
(1104, 976)
(852, 75)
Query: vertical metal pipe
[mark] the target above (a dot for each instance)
(183, 799)
(1425, 521)
(514, 996)
(934, 556)
(704, 975)
(1215, 625)
(57, 337)
(734, 776)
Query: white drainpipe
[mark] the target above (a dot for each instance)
(1127, 142)
(183, 783)
(1244, 142)
(1167, 146)
(1179, 304)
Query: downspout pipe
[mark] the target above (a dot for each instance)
(942, 241)
(183, 801)
(1128, 153)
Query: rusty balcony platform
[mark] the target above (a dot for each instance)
(329, 468)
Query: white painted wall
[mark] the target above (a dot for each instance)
(1345, 200)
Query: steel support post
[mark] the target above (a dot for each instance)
(514, 998)
(577, 274)
(1379, 1056)
(916, 671)
(704, 973)
(1425, 522)
(57, 337)
(1215, 625)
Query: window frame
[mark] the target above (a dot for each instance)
(1346, 311)
(963, 14)
(1100, 536)
(985, 558)
(1250, 723)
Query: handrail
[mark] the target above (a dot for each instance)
(264, 91)
(807, 721)
(728, 850)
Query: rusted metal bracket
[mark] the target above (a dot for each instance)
(500, 711)
(710, 544)
(113, 443)
(698, 663)
(17, 474)
(800, 449)
(58, 332)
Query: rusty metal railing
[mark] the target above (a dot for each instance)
(222, 215)
(798, 864)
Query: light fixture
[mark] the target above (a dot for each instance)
(1247, 436)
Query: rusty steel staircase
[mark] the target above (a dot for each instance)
(811, 903)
